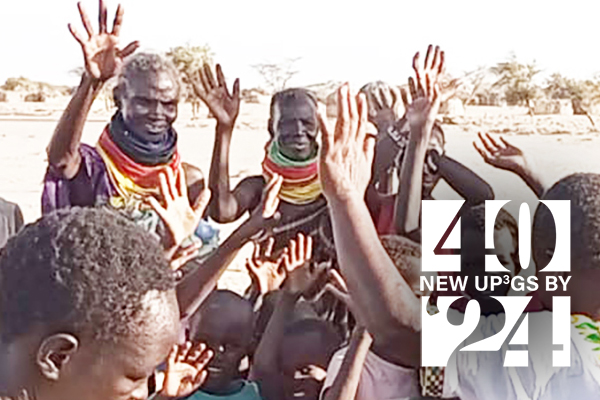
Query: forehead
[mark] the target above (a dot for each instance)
(153, 84)
(300, 350)
(297, 107)
(218, 324)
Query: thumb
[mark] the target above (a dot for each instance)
(327, 136)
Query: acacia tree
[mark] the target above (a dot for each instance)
(188, 59)
(277, 75)
(517, 81)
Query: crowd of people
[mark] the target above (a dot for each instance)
(112, 293)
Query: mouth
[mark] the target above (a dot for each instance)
(214, 370)
(298, 395)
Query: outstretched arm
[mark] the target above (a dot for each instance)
(194, 288)
(226, 205)
(383, 299)
(504, 155)
(421, 114)
(464, 181)
(102, 58)
(300, 278)
(346, 382)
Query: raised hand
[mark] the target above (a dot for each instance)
(268, 275)
(185, 371)
(179, 217)
(347, 153)
(500, 154)
(101, 53)
(383, 106)
(296, 260)
(224, 105)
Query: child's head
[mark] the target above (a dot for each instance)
(306, 349)
(583, 192)
(225, 322)
(473, 249)
(406, 256)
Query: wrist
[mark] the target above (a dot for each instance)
(90, 81)
(224, 127)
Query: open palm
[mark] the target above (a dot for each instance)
(500, 154)
(101, 53)
(223, 105)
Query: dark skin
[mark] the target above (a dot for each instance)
(294, 125)
(65, 366)
(148, 102)
(226, 328)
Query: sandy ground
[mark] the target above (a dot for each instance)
(559, 145)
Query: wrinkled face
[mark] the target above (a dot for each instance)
(295, 127)
(113, 370)
(229, 337)
(303, 365)
(149, 102)
(473, 261)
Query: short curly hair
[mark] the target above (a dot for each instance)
(84, 270)
(583, 191)
(140, 63)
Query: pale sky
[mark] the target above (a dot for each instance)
(337, 40)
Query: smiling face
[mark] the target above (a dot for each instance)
(149, 101)
(225, 324)
(294, 125)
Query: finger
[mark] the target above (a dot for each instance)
(200, 378)
(157, 207)
(173, 355)
(505, 143)
(363, 121)
(165, 192)
(428, 57)
(292, 253)
(412, 88)
(221, 79)
(344, 297)
(352, 107)
(493, 141)
(417, 67)
(308, 249)
(404, 95)
(481, 152)
(196, 351)
(204, 87)
(369, 148)
(343, 117)
(209, 76)
(129, 49)
(236, 89)
(337, 280)
(436, 60)
(102, 17)
(442, 63)
(256, 253)
(300, 248)
(87, 24)
(180, 182)
(269, 248)
(428, 87)
(204, 358)
(76, 35)
(489, 146)
(118, 21)
(172, 184)
(326, 135)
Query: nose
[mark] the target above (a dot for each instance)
(140, 392)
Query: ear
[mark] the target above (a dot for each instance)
(54, 353)
(271, 129)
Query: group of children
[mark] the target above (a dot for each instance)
(112, 293)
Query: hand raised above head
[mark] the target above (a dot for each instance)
(296, 260)
(225, 106)
(101, 53)
(501, 154)
(347, 151)
(267, 274)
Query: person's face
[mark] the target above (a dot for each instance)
(149, 102)
(473, 261)
(116, 370)
(229, 337)
(295, 127)
(303, 366)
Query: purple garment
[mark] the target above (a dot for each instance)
(90, 187)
